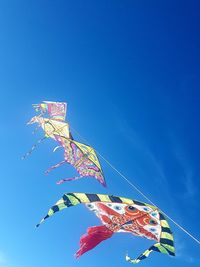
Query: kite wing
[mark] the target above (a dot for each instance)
(82, 157)
(52, 127)
(119, 214)
(55, 110)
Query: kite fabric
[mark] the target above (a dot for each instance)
(82, 157)
(55, 110)
(119, 214)
(53, 124)
(52, 127)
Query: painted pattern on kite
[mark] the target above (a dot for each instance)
(82, 157)
(139, 220)
(55, 110)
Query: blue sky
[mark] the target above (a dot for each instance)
(129, 71)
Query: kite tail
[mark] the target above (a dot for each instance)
(36, 129)
(69, 179)
(55, 166)
(92, 238)
(34, 147)
(157, 247)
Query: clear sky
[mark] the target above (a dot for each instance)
(130, 73)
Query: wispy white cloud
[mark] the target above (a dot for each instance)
(186, 168)
(190, 188)
(180, 247)
(139, 144)
(182, 252)
(3, 261)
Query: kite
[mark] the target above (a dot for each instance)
(55, 110)
(53, 124)
(82, 157)
(119, 214)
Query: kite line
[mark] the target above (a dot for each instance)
(137, 189)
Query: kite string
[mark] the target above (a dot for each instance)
(33, 147)
(138, 190)
(141, 193)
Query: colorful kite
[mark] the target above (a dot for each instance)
(54, 110)
(119, 214)
(82, 157)
(54, 124)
